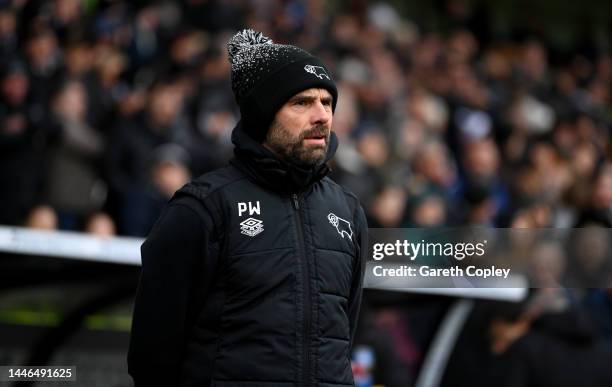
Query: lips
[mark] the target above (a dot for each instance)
(317, 139)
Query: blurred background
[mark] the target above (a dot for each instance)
(451, 113)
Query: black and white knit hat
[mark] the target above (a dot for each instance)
(265, 75)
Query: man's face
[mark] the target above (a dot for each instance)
(301, 128)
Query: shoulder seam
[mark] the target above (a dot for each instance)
(183, 204)
(204, 196)
(205, 209)
(343, 189)
(226, 184)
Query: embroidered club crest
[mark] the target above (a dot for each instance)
(342, 226)
(317, 71)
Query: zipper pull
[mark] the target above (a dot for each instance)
(296, 202)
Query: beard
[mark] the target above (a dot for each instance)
(294, 149)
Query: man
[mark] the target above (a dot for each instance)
(253, 274)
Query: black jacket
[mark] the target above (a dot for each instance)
(252, 276)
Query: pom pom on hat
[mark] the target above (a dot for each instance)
(243, 40)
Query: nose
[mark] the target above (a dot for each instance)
(321, 114)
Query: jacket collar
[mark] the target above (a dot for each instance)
(259, 163)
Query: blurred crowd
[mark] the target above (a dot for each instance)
(108, 107)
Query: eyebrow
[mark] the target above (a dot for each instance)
(310, 98)
(327, 99)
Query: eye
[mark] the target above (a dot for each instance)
(299, 102)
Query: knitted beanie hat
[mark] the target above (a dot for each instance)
(265, 75)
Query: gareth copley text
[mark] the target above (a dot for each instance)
(426, 271)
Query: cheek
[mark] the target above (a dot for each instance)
(294, 124)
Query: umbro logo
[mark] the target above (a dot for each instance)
(251, 227)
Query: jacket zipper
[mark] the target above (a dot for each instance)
(306, 281)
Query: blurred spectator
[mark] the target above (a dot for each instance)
(590, 265)
(22, 144)
(427, 209)
(140, 145)
(67, 16)
(526, 345)
(100, 224)
(599, 304)
(432, 163)
(599, 208)
(481, 165)
(42, 218)
(44, 60)
(388, 207)
(384, 335)
(169, 175)
(79, 58)
(373, 147)
(8, 35)
(74, 183)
